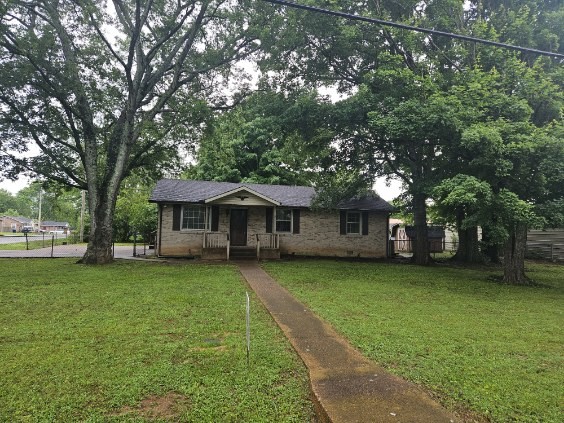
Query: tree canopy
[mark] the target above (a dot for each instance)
(102, 88)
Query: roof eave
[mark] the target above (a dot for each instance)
(239, 189)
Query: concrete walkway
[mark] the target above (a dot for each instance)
(346, 386)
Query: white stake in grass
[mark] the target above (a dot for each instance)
(248, 327)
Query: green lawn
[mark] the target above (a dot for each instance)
(140, 341)
(491, 352)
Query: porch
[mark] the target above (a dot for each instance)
(218, 246)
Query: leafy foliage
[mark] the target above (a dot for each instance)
(270, 138)
(134, 214)
(102, 89)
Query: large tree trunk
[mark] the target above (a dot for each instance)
(100, 242)
(468, 250)
(421, 247)
(514, 257)
(491, 250)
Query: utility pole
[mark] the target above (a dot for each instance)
(39, 216)
(82, 216)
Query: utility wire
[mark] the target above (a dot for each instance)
(413, 28)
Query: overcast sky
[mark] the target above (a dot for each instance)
(387, 193)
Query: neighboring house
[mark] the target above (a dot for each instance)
(14, 224)
(54, 227)
(222, 220)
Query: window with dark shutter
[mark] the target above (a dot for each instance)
(215, 218)
(296, 222)
(176, 211)
(365, 223)
(269, 215)
(343, 222)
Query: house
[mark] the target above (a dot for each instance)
(222, 220)
(54, 227)
(14, 223)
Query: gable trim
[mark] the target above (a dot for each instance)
(239, 189)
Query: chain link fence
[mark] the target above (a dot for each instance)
(553, 251)
(52, 245)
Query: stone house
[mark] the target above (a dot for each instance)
(225, 220)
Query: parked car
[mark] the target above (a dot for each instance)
(27, 229)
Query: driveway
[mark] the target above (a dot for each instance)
(73, 250)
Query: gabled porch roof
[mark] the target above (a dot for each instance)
(239, 193)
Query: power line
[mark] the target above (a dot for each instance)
(413, 28)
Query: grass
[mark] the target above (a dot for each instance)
(491, 352)
(140, 341)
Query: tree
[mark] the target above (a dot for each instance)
(400, 124)
(340, 185)
(134, 213)
(463, 200)
(8, 202)
(104, 90)
(269, 138)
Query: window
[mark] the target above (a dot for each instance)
(283, 220)
(353, 222)
(193, 217)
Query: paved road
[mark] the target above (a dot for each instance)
(8, 239)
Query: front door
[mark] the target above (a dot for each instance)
(238, 227)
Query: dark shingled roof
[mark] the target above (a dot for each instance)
(20, 219)
(188, 191)
(370, 203)
(182, 191)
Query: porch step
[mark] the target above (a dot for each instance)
(243, 253)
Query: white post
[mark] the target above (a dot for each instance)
(39, 215)
(248, 320)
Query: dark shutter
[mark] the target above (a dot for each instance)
(176, 210)
(296, 217)
(269, 214)
(343, 222)
(365, 223)
(215, 218)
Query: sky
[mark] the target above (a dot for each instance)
(14, 186)
(387, 193)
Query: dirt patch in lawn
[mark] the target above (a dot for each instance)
(166, 407)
